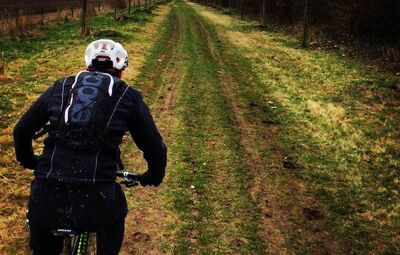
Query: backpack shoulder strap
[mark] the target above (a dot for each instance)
(64, 83)
(67, 84)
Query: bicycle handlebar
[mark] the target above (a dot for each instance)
(130, 180)
(126, 174)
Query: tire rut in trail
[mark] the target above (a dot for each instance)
(152, 78)
(212, 196)
(272, 235)
(275, 221)
(146, 223)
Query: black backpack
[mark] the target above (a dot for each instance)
(88, 111)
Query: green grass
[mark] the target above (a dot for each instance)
(50, 45)
(204, 148)
(33, 64)
(206, 114)
(347, 125)
(331, 112)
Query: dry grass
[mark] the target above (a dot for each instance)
(15, 181)
(340, 124)
(27, 77)
(218, 19)
(28, 22)
(267, 50)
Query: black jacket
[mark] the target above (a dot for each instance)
(62, 164)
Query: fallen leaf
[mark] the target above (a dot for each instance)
(366, 158)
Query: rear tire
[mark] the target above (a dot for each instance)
(83, 244)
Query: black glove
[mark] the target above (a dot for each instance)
(150, 178)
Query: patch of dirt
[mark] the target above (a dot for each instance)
(289, 163)
(312, 214)
(141, 237)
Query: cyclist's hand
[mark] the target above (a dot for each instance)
(152, 179)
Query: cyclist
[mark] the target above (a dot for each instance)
(86, 116)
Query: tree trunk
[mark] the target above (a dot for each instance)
(263, 20)
(115, 10)
(129, 7)
(242, 9)
(84, 26)
(42, 17)
(2, 64)
(17, 25)
(306, 26)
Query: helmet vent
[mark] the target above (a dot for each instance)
(107, 48)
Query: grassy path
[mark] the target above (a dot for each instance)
(216, 198)
(208, 207)
(261, 159)
(335, 121)
(245, 174)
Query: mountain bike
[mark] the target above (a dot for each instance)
(85, 243)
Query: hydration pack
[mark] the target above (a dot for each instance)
(87, 112)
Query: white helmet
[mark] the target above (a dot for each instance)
(107, 48)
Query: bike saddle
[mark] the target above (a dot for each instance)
(64, 232)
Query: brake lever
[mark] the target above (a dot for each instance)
(129, 183)
(129, 180)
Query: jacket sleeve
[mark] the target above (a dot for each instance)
(31, 122)
(146, 136)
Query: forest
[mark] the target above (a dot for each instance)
(371, 24)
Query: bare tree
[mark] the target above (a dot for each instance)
(17, 13)
(263, 18)
(306, 25)
(84, 25)
(115, 9)
(242, 9)
(42, 16)
(2, 64)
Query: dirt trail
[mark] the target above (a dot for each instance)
(149, 220)
(210, 225)
(275, 213)
(277, 205)
(218, 196)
